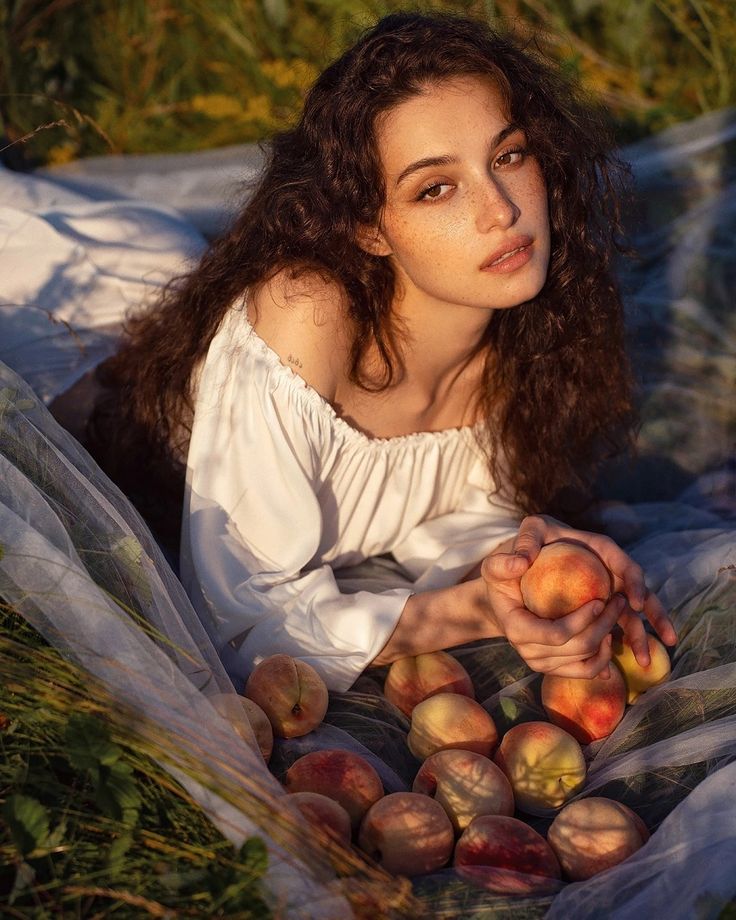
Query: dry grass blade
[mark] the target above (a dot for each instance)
(39, 693)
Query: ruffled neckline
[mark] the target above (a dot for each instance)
(325, 409)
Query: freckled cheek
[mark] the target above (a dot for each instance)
(431, 242)
(446, 235)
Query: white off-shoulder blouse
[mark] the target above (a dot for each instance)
(282, 495)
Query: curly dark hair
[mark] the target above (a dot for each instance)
(556, 387)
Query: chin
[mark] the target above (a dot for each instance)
(523, 295)
(522, 300)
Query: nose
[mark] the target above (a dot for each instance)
(495, 207)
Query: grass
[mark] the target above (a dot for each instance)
(89, 77)
(92, 824)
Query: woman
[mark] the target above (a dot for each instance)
(409, 337)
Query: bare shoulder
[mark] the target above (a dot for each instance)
(303, 318)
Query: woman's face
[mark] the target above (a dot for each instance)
(465, 220)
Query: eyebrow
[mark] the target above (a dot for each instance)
(448, 160)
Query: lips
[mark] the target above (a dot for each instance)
(507, 252)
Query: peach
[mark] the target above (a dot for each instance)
(233, 707)
(290, 692)
(544, 764)
(587, 708)
(407, 834)
(411, 680)
(449, 720)
(324, 813)
(637, 678)
(466, 785)
(343, 776)
(593, 834)
(564, 576)
(511, 848)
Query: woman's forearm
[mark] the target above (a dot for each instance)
(434, 620)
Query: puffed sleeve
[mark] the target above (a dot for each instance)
(439, 552)
(252, 523)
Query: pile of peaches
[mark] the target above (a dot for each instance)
(473, 788)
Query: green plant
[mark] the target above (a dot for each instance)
(91, 824)
(87, 77)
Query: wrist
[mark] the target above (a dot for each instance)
(441, 619)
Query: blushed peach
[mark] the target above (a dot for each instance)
(343, 776)
(411, 680)
(466, 785)
(564, 576)
(593, 834)
(290, 692)
(324, 813)
(407, 834)
(543, 763)
(448, 720)
(231, 706)
(637, 678)
(522, 858)
(587, 708)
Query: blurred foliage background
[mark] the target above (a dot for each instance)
(88, 77)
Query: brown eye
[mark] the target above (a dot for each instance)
(510, 157)
(434, 191)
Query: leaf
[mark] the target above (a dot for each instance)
(117, 852)
(509, 707)
(117, 793)
(254, 856)
(89, 744)
(27, 820)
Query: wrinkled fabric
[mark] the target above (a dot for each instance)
(282, 494)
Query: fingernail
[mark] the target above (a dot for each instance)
(620, 603)
(605, 673)
(598, 608)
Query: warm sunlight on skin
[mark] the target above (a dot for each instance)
(469, 228)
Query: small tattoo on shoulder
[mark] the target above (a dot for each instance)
(295, 361)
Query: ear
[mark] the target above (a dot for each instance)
(372, 240)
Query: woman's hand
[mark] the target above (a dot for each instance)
(579, 644)
(576, 645)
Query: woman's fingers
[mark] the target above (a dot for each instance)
(578, 633)
(579, 644)
(536, 530)
(633, 627)
(593, 666)
(656, 614)
(503, 567)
